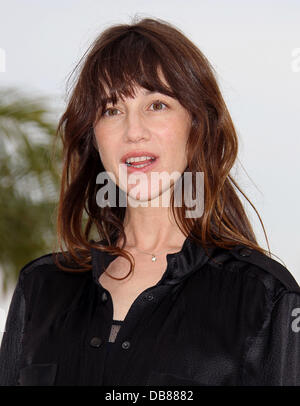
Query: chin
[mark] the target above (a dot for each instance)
(144, 198)
(151, 199)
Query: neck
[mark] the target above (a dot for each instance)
(151, 230)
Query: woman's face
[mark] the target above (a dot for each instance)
(150, 124)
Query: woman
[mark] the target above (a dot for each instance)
(166, 295)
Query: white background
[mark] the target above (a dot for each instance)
(253, 46)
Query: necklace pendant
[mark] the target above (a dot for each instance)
(153, 258)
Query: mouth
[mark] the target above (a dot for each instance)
(140, 161)
(142, 166)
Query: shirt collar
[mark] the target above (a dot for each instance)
(191, 257)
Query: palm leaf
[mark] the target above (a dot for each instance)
(29, 181)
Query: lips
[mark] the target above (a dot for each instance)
(134, 154)
(146, 168)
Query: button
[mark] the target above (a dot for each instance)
(95, 342)
(149, 296)
(245, 252)
(126, 345)
(104, 297)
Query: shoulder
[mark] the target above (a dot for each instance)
(47, 289)
(48, 262)
(44, 261)
(44, 271)
(275, 277)
(45, 285)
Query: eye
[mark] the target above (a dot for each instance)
(111, 109)
(107, 110)
(157, 103)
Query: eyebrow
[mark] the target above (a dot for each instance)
(146, 92)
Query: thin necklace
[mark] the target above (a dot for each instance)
(153, 259)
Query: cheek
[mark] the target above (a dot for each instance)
(105, 149)
(174, 140)
(177, 147)
(176, 129)
(103, 140)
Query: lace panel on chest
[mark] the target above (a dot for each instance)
(114, 330)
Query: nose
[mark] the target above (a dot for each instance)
(135, 129)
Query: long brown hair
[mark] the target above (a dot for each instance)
(120, 58)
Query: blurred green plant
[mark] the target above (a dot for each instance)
(30, 166)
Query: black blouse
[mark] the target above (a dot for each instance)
(228, 318)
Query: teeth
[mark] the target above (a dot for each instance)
(139, 166)
(138, 159)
